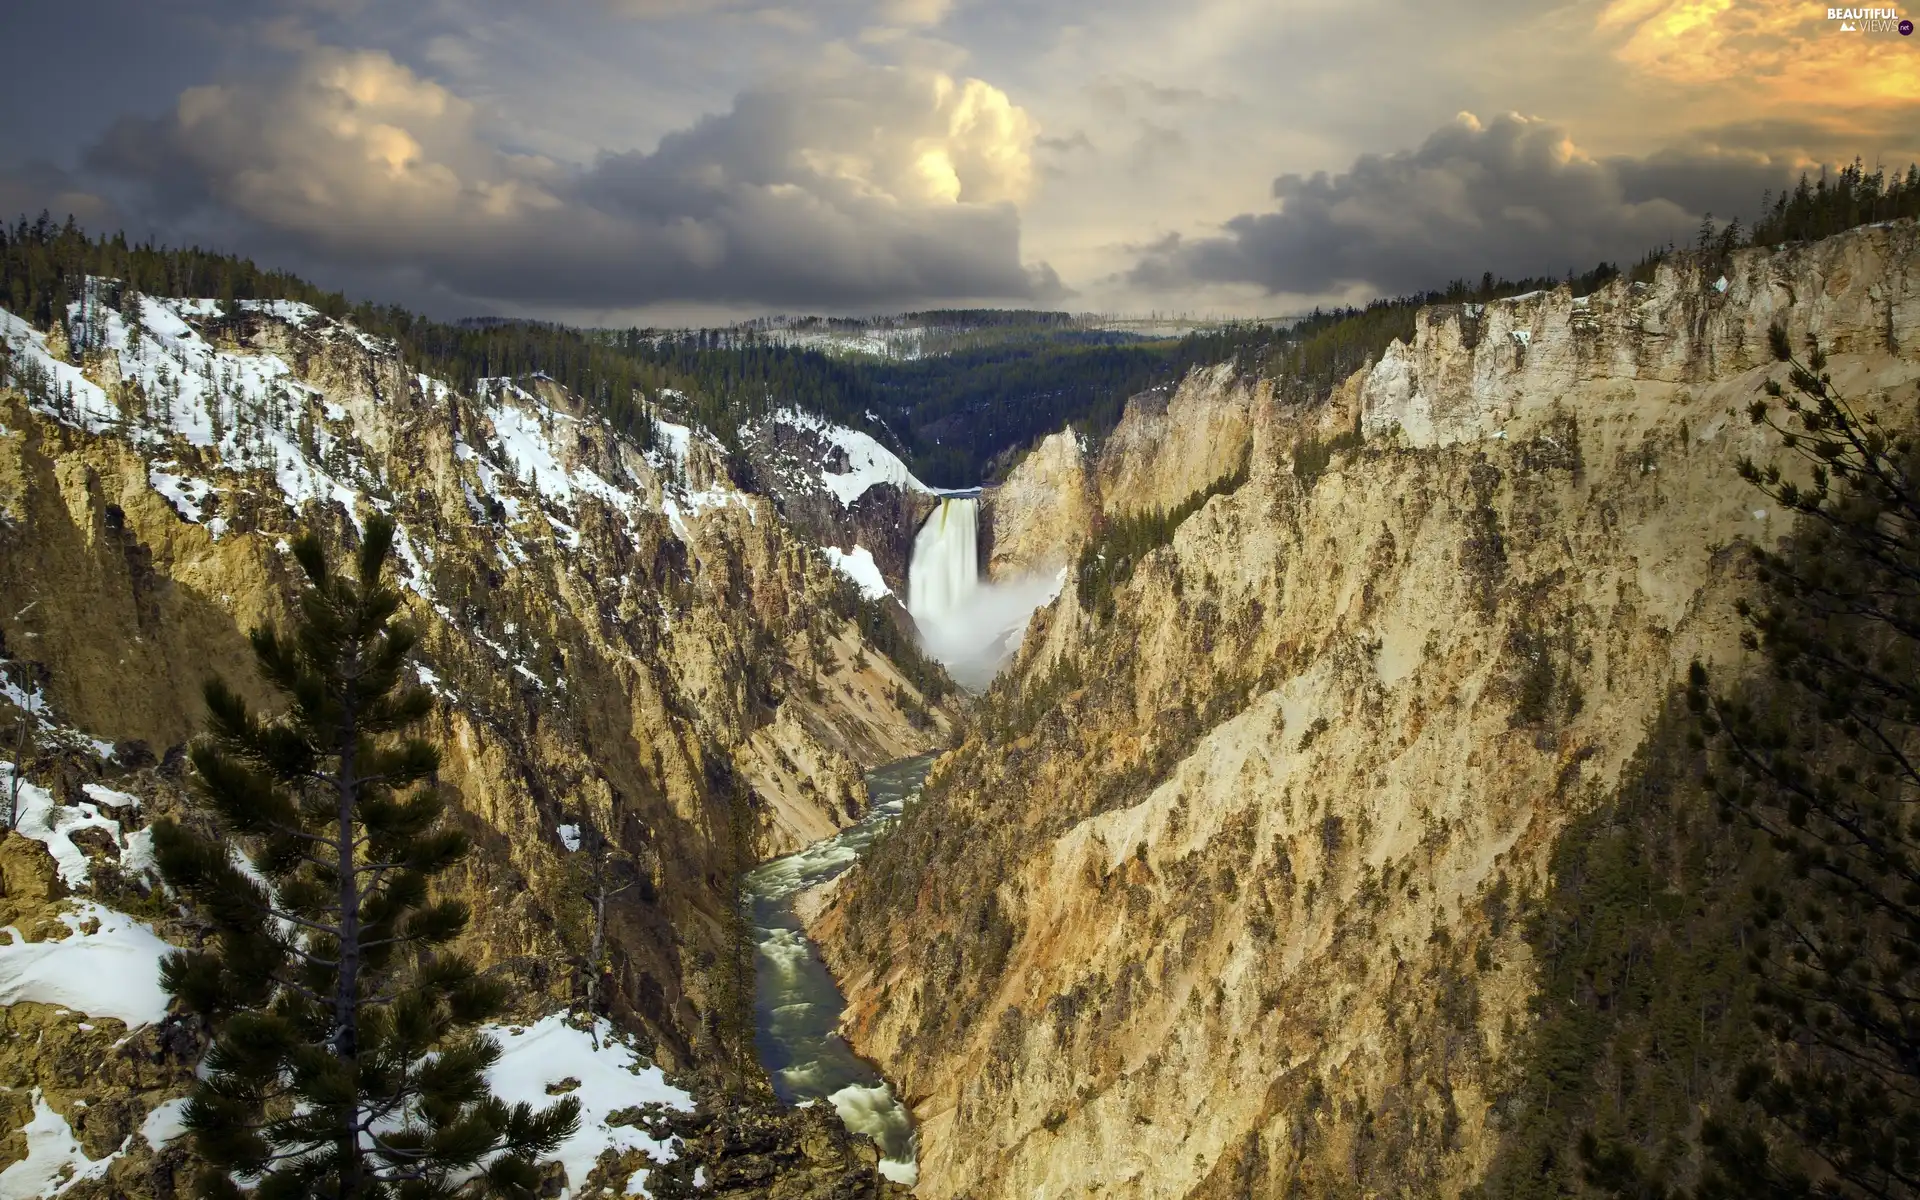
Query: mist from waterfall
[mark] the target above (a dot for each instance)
(972, 625)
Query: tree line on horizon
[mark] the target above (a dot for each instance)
(1008, 377)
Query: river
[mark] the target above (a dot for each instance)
(797, 1004)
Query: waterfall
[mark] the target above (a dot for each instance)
(970, 624)
(945, 571)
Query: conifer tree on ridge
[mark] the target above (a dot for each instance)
(345, 1061)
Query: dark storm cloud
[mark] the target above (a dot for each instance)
(40, 186)
(1513, 196)
(849, 187)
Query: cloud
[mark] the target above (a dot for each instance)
(1514, 196)
(915, 12)
(1076, 141)
(41, 186)
(847, 186)
(654, 10)
(1157, 148)
(1120, 93)
(892, 12)
(1784, 52)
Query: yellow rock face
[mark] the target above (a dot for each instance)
(1202, 918)
(1042, 513)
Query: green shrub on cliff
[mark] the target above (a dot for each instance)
(1121, 542)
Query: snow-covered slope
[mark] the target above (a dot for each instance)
(854, 461)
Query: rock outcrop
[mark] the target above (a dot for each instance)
(1170, 443)
(839, 487)
(1042, 512)
(1217, 897)
(1166, 448)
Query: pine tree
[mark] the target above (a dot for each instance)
(598, 871)
(1831, 777)
(1703, 241)
(345, 1061)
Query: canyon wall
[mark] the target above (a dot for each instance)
(1043, 511)
(616, 635)
(1166, 448)
(1216, 898)
(1170, 443)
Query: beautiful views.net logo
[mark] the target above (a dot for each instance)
(1871, 20)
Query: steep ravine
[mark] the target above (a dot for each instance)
(616, 635)
(1215, 899)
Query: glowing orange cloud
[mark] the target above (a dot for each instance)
(1787, 51)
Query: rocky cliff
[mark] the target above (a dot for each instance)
(1168, 445)
(842, 489)
(1044, 509)
(1166, 448)
(1216, 898)
(618, 637)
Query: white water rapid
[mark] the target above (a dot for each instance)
(798, 1007)
(971, 624)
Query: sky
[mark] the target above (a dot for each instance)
(694, 161)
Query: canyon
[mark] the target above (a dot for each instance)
(1253, 722)
(1216, 897)
(618, 641)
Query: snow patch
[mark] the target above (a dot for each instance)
(859, 566)
(113, 971)
(185, 493)
(868, 462)
(293, 312)
(54, 1162)
(136, 857)
(55, 388)
(678, 439)
(611, 1077)
(103, 794)
(525, 445)
(53, 825)
(167, 1121)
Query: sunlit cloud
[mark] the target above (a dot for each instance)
(849, 184)
(1785, 53)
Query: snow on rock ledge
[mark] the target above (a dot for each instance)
(108, 966)
(53, 825)
(55, 1160)
(868, 462)
(859, 567)
(609, 1078)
